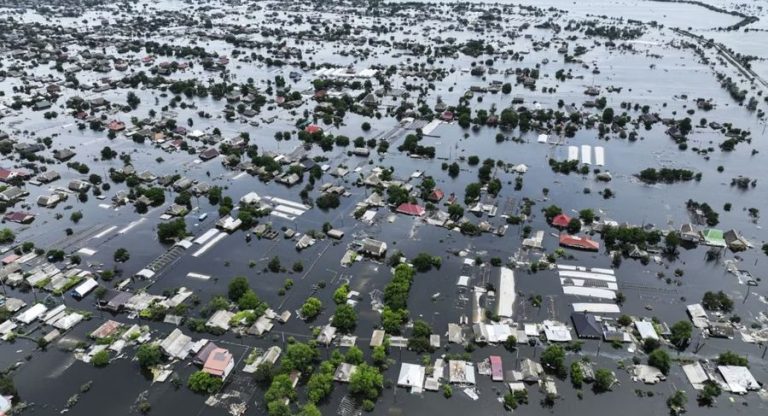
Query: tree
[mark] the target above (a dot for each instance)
(354, 356)
(311, 307)
(340, 294)
(168, 232)
(472, 192)
(345, 318)
(204, 383)
(608, 115)
(717, 301)
(577, 375)
(366, 382)
(309, 409)
(379, 355)
(574, 226)
(280, 389)
(107, 153)
(625, 320)
(604, 380)
(676, 402)
(707, 395)
(397, 195)
(455, 211)
(6, 236)
(149, 355)
(366, 126)
(121, 255)
(510, 343)
(299, 356)
(587, 216)
(278, 408)
(76, 216)
(250, 301)
(274, 265)
(264, 373)
(237, 288)
(424, 262)
(660, 359)
(680, 334)
(100, 359)
(553, 360)
(453, 170)
(421, 329)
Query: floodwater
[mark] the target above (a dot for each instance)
(47, 379)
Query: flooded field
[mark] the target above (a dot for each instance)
(517, 162)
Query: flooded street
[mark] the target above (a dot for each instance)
(685, 88)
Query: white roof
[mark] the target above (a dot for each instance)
(739, 379)
(596, 307)
(176, 344)
(506, 293)
(463, 281)
(31, 313)
(696, 375)
(556, 332)
(87, 286)
(646, 330)
(411, 375)
(68, 321)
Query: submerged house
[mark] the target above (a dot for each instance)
(586, 325)
(219, 363)
(580, 243)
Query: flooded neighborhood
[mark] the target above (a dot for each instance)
(349, 207)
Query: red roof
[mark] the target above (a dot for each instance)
(582, 243)
(218, 362)
(19, 217)
(6, 174)
(561, 220)
(436, 195)
(497, 372)
(313, 128)
(411, 209)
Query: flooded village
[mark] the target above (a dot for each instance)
(234, 207)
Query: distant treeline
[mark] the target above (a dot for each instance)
(745, 19)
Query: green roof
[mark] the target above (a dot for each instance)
(713, 236)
